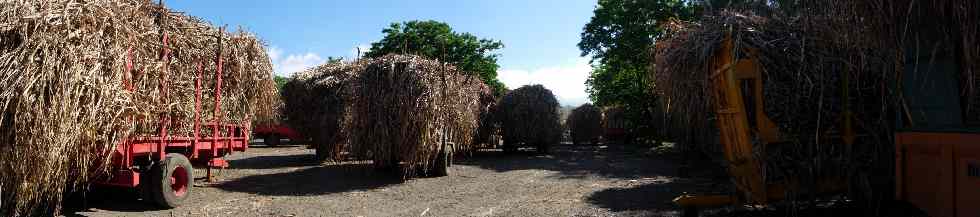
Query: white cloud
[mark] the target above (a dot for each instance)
(566, 81)
(292, 63)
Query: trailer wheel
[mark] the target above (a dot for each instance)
(509, 148)
(543, 148)
(321, 153)
(443, 160)
(272, 140)
(171, 181)
(452, 155)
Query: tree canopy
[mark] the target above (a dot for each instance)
(437, 40)
(618, 38)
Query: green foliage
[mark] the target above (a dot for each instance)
(619, 38)
(280, 81)
(621, 31)
(437, 40)
(332, 60)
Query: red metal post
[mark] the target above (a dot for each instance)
(127, 76)
(247, 132)
(217, 108)
(165, 117)
(197, 111)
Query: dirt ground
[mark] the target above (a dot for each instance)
(572, 181)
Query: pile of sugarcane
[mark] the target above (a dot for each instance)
(809, 85)
(405, 108)
(77, 77)
(317, 104)
(899, 28)
(529, 115)
(484, 136)
(397, 110)
(834, 62)
(802, 71)
(585, 124)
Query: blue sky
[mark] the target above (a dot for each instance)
(540, 36)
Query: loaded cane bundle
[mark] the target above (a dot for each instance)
(529, 115)
(406, 107)
(809, 84)
(77, 77)
(488, 126)
(585, 124)
(317, 104)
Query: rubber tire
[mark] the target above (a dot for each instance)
(160, 189)
(451, 156)
(272, 140)
(509, 148)
(543, 148)
(321, 153)
(441, 166)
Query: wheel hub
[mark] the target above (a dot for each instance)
(178, 181)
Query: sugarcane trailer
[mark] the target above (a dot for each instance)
(161, 165)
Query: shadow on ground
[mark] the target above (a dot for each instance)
(326, 179)
(577, 161)
(655, 199)
(656, 196)
(285, 144)
(108, 198)
(274, 161)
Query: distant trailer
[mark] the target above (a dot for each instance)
(273, 134)
(614, 125)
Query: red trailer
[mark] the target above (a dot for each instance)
(273, 134)
(162, 165)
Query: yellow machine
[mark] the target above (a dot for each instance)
(739, 134)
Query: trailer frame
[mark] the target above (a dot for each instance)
(139, 156)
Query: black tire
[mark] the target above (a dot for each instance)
(509, 148)
(441, 166)
(167, 192)
(272, 140)
(452, 155)
(543, 148)
(322, 155)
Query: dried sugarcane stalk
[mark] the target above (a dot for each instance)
(529, 115)
(585, 124)
(74, 73)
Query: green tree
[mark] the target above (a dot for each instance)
(332, 60)
(619, 37)
(437, 40)
(280, 81)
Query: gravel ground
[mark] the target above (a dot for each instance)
(572, 181)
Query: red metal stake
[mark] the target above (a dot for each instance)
(217, 109)
(197, 111)
(165, 117)
(128, 158)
